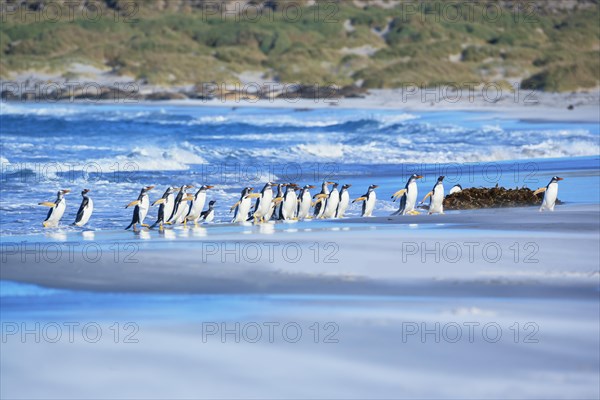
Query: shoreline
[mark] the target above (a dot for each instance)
(527, 106)
(220, 264)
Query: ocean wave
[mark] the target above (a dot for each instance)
(15, 289)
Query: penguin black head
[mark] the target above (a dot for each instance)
(85, 191)
(335, 185)
(346, 186)
(373, 187)
(147, 189)
(309, 186)
(211, 203)
(62, 192)
(556, 179)
(441, 178)
(415, 176)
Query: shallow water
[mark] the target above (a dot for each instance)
(114, 150)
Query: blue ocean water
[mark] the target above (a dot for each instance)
(115, 149)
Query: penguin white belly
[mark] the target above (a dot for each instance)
(87, 213)
(241, 214)
(437, 201)
(197, 206)
(304, 208)
(169, 206)
(143, 208)
(331, 206)
(550, 197)
(369, 205)
(266, 202)
(288, 207)
(343, 205)
(270, 212)
(56, 215)
(411, 198)
(210, 217)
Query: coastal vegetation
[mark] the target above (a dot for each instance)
(378, 44)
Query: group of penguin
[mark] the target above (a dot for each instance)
(176, 206)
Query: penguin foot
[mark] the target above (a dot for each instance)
(145, 225)
(413, 212)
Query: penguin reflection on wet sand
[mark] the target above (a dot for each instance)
(368, 200)
(550, 194)
(409, 194)
(57, 209)
(141, 208)
(85, 209)
(436, 204)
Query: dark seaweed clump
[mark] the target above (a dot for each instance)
(494, 197)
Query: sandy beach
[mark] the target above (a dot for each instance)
(387, 302)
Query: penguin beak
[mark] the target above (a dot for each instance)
(311, 186)
(65, 191)
(376, 186)
(330, 183)
(419, 177)
(150, 187)
(209, 186)
(561, 179)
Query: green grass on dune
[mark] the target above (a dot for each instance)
(557, 50)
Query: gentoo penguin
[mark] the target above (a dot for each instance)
(57, 209)
(197, 204)
(181, 206)
(141, 208)
(263, 203)
(242, 207)
(209, 215)
(289, 205)
(344, 201)
(409, 196)
(550, 194)
(167, 204)
(368, 200)
(304, 202)
(332, 202)
(275, 208)
(455, 189)
(436, 204)
(85, 209)
(320, 202)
